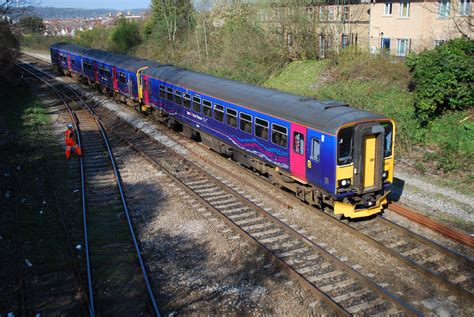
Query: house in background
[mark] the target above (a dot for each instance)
(403, 26)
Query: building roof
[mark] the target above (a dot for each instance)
(325, 116)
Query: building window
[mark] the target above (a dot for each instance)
(344, 40)
(388, 7)
(321, 13)
(464, 7)
(444, 8)
(345, 14)
(439, 42)
(402, 47)
(330, 13)
(385, 46)
(404, 8)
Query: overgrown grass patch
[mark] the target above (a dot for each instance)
(299, 77)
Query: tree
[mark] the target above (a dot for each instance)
(32, 24)
(125, 36)
(9, 46)
(170, 18)
(16, 6)
(443, 78)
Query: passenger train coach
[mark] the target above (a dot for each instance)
(326, 152)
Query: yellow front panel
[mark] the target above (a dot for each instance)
(369, 161)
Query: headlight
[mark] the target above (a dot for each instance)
(385, 175)
(344, 183)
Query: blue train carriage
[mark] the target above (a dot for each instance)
(325, 152)
(116, 74)
(67, 58)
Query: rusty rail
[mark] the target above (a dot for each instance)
(433, 225)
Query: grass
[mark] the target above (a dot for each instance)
(299, 78)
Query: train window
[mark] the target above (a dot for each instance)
(246, 122)
(298, 143)
(315, 149)
(187, 101)
(279, 135)
(219, 113)
(261, 129)
(122, 78)
(169, 94)
(232, 117)
(207, 108)
(101, 70)
(196, 104)
(162, 91)
(107, 72)
(178, 97)
(73, 61)
(345, 146)
(388, 137)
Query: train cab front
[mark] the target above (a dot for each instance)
(364, 170)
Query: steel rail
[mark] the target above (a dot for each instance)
(122, 197)
(83, 191)
(432, 224)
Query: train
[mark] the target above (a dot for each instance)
(326, 152)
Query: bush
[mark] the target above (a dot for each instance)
(443, 78)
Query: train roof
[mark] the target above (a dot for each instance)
(325, 116)
(75, 49)
(123, 61)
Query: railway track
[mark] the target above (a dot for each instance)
(452, 270)
(337, 284)
(114, 285)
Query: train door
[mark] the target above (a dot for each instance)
(146, 91)
(313, 156)
(69, 62)
(96, 71)
(368, 153)
(115, 78)
(298, 152)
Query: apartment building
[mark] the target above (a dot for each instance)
(403, 26)
(394, 27)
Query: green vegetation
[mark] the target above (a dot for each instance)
(124, 37)
(31, 24)
(443, 78)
